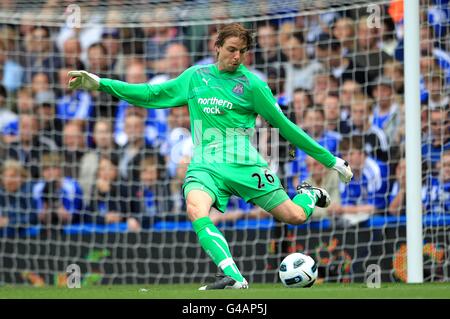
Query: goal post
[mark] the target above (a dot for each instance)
(413, 143)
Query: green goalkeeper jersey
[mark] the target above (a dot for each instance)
(223, 107)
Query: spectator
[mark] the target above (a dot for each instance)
(276, 79)
(438, 140)
(156, 119)
(399, 138)
(397, 200)
(301, 100)
(98, 60)
(268, 52)
(11, 73)
(104, 146)
(6, 115)
(386, 110)
(326, 179)
(176, 60)
(438, 17)
(436, 190)
(312, 27)
(249, 62)
(17, 208)
(287, 29)
(30, 147)
(347, 90)
(135, 73)
(299, 71)
(427, 63)
(151, 196)
(159, 39)
(368, 57)
(40, 82)
(114, 17)
(387, 37)
(10, 37)
(27, 23)
(105, 104)
(72, 104)
(435, 86)
(112, 41)
(73, 147)
(428, 47)
(359, 197)
(133, 42)
(49, 126)
(323, 84)
(72, 54)
(40, 54)
(333, 118)
(210, 56)
(24, 100)
(393, 70)
(9, 134)
(107, 199)
(314, 125)
(135, 149)
(59, 198)
(374, 139)
(344, 31)
(329, 54)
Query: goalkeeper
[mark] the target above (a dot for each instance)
(224, 100)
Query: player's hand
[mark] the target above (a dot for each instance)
(83, 80)
(344, 170)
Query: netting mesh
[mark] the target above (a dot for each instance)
(90, 180)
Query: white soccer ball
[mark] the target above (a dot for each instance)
(298, 270)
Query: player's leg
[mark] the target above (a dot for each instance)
(295, 211)
(263, 188)
(199, 200)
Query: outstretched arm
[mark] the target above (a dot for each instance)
(168, 94)
(266, 106)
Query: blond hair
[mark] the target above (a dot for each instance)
(234, 30)
(16, 166)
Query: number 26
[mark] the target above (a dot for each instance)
(268, 176)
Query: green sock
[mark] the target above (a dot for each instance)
(307, 201)
(216, 246)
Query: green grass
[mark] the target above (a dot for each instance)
(256, 291)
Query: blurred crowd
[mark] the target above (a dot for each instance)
(71, 157)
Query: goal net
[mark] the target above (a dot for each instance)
(93, 182)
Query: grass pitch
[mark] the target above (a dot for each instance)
(256, 291)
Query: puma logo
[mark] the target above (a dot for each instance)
(205, 80)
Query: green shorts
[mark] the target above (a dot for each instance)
(255, 184)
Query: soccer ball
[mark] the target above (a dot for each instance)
(298, 270)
